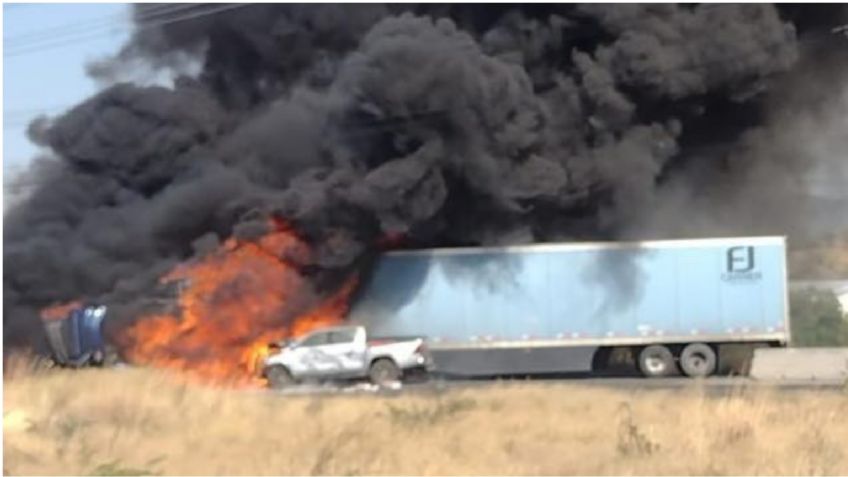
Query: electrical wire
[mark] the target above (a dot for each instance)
(27, 39)
(175, 13)
(139, 27)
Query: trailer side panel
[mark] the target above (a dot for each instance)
(582, 295)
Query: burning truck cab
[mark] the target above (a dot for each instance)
(75, 338)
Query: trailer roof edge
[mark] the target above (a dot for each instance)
(644, 244)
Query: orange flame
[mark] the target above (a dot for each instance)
(59, 310)
(234, 303)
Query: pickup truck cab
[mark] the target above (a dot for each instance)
(346, 352)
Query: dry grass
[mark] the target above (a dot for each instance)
(121, 422)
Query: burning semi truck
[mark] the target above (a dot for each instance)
(673, 305)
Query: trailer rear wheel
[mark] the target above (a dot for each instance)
(698, 360)
(656, 361)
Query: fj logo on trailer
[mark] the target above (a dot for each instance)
(741, 265)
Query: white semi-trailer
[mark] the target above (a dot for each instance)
(672, 304)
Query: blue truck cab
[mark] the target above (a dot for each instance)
(77, 339)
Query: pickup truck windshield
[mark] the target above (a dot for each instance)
(316, 339)
(342, 336)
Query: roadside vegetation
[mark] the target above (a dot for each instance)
(143, 422)
(817, 319)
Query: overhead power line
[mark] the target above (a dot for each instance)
(57, 43)
(27, 39)
(103, 27)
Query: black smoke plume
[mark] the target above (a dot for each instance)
(446, 124)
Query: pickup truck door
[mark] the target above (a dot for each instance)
(310, 357)
(348, 349)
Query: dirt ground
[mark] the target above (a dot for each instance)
(143, 422)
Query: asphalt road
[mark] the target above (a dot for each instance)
(717, 386)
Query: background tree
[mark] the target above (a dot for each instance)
(817, 319)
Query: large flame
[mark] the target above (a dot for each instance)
(233, 303)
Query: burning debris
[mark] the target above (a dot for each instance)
(363, 125)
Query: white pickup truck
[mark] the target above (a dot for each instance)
(346, 352)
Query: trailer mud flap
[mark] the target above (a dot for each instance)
(505, 361)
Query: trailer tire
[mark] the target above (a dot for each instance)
(656, 361)
(278, 376)
(698, 360)
(384, 371)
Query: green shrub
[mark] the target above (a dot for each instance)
(817, 319)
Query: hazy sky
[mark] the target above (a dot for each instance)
(46, 47)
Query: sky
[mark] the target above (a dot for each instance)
(45, 50)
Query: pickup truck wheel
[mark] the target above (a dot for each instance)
(278, 377)
(656, 361)
(698, 360)
(384, 371)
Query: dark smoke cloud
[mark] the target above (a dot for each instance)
(138, 137)
(674, 52)
(449, 124)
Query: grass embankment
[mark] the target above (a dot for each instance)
(143, 422)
